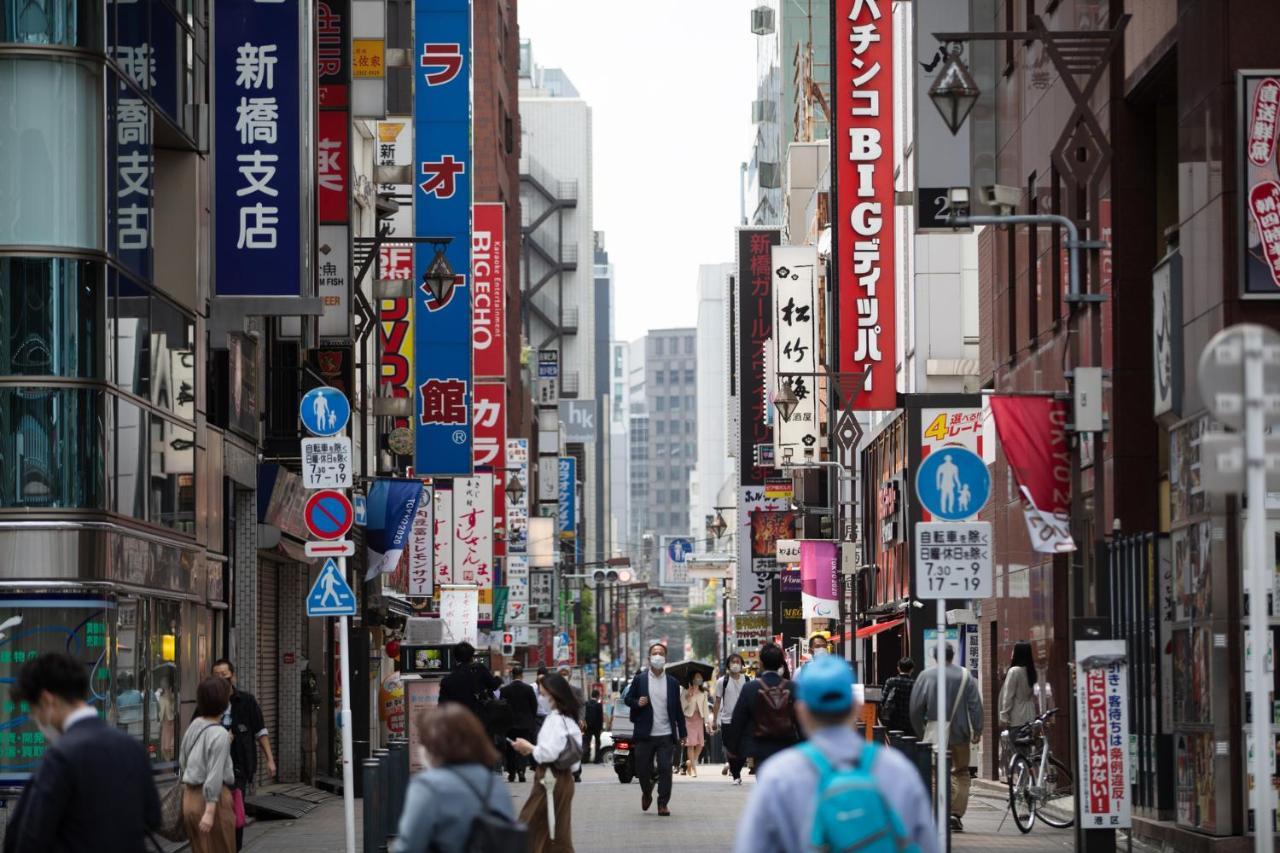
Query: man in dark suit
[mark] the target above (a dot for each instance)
(93, 789)
(593, 719)
(764, 720)
(470, 683)
(524, 719)
(654, 700)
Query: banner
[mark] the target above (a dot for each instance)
(819, 583)
(391, 506)
(488, 302)
(442, 541)
(258, 216)
(442, 208)
(518, 511)
(422, 547)
(460, 610)
(753, 297)
(1033, 433)
(752, 588)
(864, 234)
(473, 537)
(795, 351)
(1102, 712)
(490, 451)
(1259, 130)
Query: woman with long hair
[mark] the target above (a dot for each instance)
(457, 786)
(558, 753)
(693, 703)
(1017, 696)
(204, 762)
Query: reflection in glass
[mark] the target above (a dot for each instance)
(130, 321)
(164, 655)
(128, 682)
(131, 460)
(51, 447)
(173, 366)
(173, 465)
(48, 317)
(131, 173)
(51, 171)
(69, 23)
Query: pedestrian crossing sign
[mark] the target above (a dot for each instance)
(331, 595)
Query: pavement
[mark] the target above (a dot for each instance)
(607, 817)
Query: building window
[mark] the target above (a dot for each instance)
(51, 174)
(49, 322)
(131, 456)
(688, 345)
(173, 467)
(165, 654)
(65, 23)
(51, 448)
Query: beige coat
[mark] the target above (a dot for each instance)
(695, 704)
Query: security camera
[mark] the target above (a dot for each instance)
(1001, 198)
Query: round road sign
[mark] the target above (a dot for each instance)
(952, 483)
(329, 514)
(324, 411)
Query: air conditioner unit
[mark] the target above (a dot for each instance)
(762, 20)
(420, 631)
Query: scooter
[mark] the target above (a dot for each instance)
(623, 763)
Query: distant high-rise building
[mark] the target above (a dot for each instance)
(712, 481)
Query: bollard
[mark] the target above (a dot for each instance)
(397, 753)
(372, 819)
(384, 800)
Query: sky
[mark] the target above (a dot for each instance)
(670, 84)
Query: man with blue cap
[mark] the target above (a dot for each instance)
(803, 793)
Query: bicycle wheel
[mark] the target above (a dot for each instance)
(1021, 801)
(1056, 805)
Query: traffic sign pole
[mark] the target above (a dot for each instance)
(944, 725)
(348, 768)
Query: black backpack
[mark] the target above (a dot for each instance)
(492, 831)
(773, 712)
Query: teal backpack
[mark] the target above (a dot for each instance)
(851, 813)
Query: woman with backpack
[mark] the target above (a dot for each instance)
(458, 796)
(764, 721)
(558, 753)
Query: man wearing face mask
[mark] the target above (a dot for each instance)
(654, 700)
(93, 789)
(728, 690)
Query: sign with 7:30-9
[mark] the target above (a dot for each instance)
(953, 560)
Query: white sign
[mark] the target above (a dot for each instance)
(518, 511)
(788, 551)
(473, 536)
(333, 280)
(517, 589)
(443, 541)
(548, 478)
(953, 560)
(326, 463)
(329, 548)
(548, 387)
(753, 589)
(395, 148)
(1102, 708)
(421, 547)
(795, 351)
(460, 611)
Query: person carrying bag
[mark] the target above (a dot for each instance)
(548, 811)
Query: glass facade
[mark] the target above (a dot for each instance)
(52, 450)
(49, 317)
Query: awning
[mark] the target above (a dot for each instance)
(880, 626)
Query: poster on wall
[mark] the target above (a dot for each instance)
(753, 588)
(768, 527)
(1258, 129)
(420, 694)
(1102, 710)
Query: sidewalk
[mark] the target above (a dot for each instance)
(988, 804)
(321, 830)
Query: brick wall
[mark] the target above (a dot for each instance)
(243, 642)
(293, 590)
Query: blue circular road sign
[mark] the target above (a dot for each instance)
(324, 411)
(953, 484)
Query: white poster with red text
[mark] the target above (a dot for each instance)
(1102, 710)
(489, 450)
(422, 548)
(473, 537)
(1033, 434)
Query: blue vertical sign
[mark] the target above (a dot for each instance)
(567, 492)
(257, 132)
(442, 208)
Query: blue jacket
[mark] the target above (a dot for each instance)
(642, 718)
(442, 802)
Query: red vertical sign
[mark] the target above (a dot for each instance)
(488, 298)
(864, 213)
(332, 167)
(489, 449)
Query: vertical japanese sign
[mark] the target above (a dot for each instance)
(460, 611)
(395, 148)
(753, 589)
(755, 322)
(1103, 717)
(473, 537)
(333, 280)
(129, 123)
(395, 319)
(442, 208)
(333, 34)
(949, 427)
(862, 68)
(567, 494)
(442, 541)
(518, 511)
(490, 448)
(422, 548)
(488, 300)
(332, 166)
(259, 219)
(795, 350)
(1259, 94)
(517, 590)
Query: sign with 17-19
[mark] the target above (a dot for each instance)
(953, 560)
(326, 462)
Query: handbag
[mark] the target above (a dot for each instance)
(172, 827)
(571, 754)
(931, 727)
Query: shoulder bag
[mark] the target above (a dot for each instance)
(172, 827)
(571, 754)
(931, 727)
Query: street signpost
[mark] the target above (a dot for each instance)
(1240, 382)
(952, 559)
(329, 515)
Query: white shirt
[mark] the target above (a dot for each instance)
(732, 689)
(85, 712)
(658, 699)
(552, 737)
(544, 701)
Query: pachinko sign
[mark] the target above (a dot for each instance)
(1260, 178)
(864, 230)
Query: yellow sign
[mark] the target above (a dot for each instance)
(368, 58)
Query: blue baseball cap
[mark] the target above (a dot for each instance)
(825, 685)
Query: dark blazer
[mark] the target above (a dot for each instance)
(93, 790)
(642, 718)
(465, 684)
(524, 706)
(740, 739)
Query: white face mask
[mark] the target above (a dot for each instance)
(657, 661)
(735, 668)
(821, 650)
(697, 682)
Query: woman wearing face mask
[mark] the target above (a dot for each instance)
(457, 785)
(728, 689)
(693, 702)
(558, 753)
(204, 761)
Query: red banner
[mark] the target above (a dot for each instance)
(489, 450)
(488, 299)
(332, 167)
(864, 215)
(1033, 433)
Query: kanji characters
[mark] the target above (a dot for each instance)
(444, 402)
(257, 119)
(256, 66)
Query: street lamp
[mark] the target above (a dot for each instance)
(439, 277)
(954, 92)
(514, 489)
(785, 401)
(718, 526)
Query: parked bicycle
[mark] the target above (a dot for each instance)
(1039, 784)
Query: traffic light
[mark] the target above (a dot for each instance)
(610, 576)
(508, 643)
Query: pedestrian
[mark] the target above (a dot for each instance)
(207, 772)
(544, 699)
(895, 704)
(836, 789)
(693, 704)
(1017, 694)
(764, 720)
(964, 717)
(93, 788)
(728, 691)
(594, 719)
(243, 718)
(470, 683)
(558, 753)
(524, 719)
(457, 787)
(658, 725)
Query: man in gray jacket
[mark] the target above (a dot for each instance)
(964, 714)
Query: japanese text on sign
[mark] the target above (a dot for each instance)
(326, 463)
(755, 325)
(422, 547)
(795, 349)
(1104, 733)
(953, 560)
